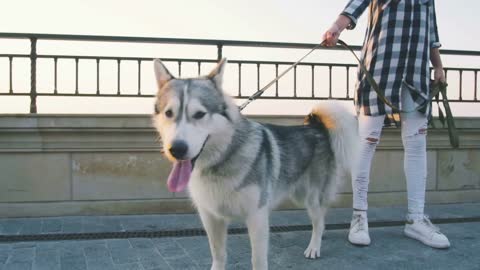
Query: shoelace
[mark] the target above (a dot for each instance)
(359, 223)
(426, 221)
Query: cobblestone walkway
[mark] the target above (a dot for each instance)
(389, 249)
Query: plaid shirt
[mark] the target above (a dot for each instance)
(396, 50)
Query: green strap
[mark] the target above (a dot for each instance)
(452, 130)
(369, 77)
(435, 89)
(375, 86)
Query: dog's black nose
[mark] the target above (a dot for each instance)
(179, 149)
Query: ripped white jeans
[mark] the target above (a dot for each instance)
(414, 131)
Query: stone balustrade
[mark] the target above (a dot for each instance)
(53, 165)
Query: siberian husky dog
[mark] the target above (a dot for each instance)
(236, 168)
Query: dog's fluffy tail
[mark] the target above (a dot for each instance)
(342, 127)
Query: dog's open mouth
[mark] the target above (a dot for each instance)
(181, 171)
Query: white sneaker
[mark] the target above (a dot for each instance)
(424, 231)
(358, 234)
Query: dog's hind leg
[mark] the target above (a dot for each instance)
(216, 229)
(317, 215)
(258, 230)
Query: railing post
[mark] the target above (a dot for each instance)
(219, 52)
(33, 75)
(329, 81)
(10, 71)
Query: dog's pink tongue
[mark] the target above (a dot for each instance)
(179, 176)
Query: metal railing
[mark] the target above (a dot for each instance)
(219, 44)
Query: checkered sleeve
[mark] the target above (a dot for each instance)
(434, 39)
(354, 10)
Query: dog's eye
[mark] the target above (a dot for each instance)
(169, 113)
(199, 115)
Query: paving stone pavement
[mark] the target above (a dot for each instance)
(389, 250)
(96, 224)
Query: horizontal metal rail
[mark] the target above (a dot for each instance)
(187, 41)
(293, 93)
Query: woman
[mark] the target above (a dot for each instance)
(400, 40)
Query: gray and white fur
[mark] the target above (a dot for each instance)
(243, 169)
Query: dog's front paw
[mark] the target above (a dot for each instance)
(312, 252)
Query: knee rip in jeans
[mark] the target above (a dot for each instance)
(371, 140)
(421, 132)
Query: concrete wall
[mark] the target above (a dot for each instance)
(88, 165)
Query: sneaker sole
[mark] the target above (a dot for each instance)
(359, 244)
(416, 236)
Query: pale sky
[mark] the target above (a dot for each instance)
(301, 21)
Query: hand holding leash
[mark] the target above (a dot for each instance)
(439, 75)
(332, 35)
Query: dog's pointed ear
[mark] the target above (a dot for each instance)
(161, 73)
(216, 75)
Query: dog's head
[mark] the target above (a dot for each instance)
(189, 113)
